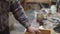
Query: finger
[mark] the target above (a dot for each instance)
(38, 32)
(32, 32)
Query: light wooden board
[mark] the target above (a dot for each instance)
(42, 32)
(41, 1)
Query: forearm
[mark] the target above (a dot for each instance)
(21, 17)
(19, 14)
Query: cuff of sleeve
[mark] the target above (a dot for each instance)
(27, 25)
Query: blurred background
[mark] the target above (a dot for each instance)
(43, 14)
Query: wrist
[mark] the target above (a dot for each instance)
(28, 27)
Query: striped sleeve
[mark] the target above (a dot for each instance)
(19, 13)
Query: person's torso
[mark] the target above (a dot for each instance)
(4, 17)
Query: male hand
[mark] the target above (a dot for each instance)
(33, 30)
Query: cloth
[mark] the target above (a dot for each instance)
(17, 10)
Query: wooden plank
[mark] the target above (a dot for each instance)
(25, 5)
(35, 1)
(42, 32)
(38, 1)
(54, 0)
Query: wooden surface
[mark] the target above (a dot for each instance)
(42, 32)
(40, 1)
(35, 1)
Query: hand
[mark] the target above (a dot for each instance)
(33, 30)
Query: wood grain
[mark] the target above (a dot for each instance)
(42, 32)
